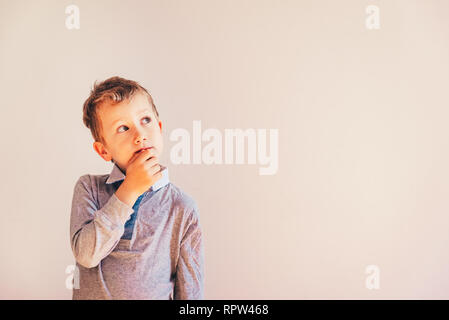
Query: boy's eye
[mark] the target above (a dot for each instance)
(122, 129)
(145, 120)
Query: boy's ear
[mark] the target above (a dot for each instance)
(102, 151)
(160, 125)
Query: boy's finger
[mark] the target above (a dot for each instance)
(150, 162)
(155, 170)
(145, 155)
(151, 166)
(138, 154)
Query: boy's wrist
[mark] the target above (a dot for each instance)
(126, 195)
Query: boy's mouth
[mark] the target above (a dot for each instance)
(138, 151)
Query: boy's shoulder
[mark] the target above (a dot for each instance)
(93, 181)
(93, 177)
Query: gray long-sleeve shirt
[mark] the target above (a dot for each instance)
(164, 259)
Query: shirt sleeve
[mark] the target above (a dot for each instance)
(189, 283)
(94, 231)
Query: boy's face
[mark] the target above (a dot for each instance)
(128, 127)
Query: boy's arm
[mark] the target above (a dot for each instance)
(94, 232)
(189, 283)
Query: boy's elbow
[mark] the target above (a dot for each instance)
(87, 261)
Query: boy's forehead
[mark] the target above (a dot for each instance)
(111, 113)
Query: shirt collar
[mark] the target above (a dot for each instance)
(117, 175)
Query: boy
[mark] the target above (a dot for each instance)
(133, 233)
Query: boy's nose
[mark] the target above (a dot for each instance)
(140, 136)
(139, 139)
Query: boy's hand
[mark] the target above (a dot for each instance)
(142, 172)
